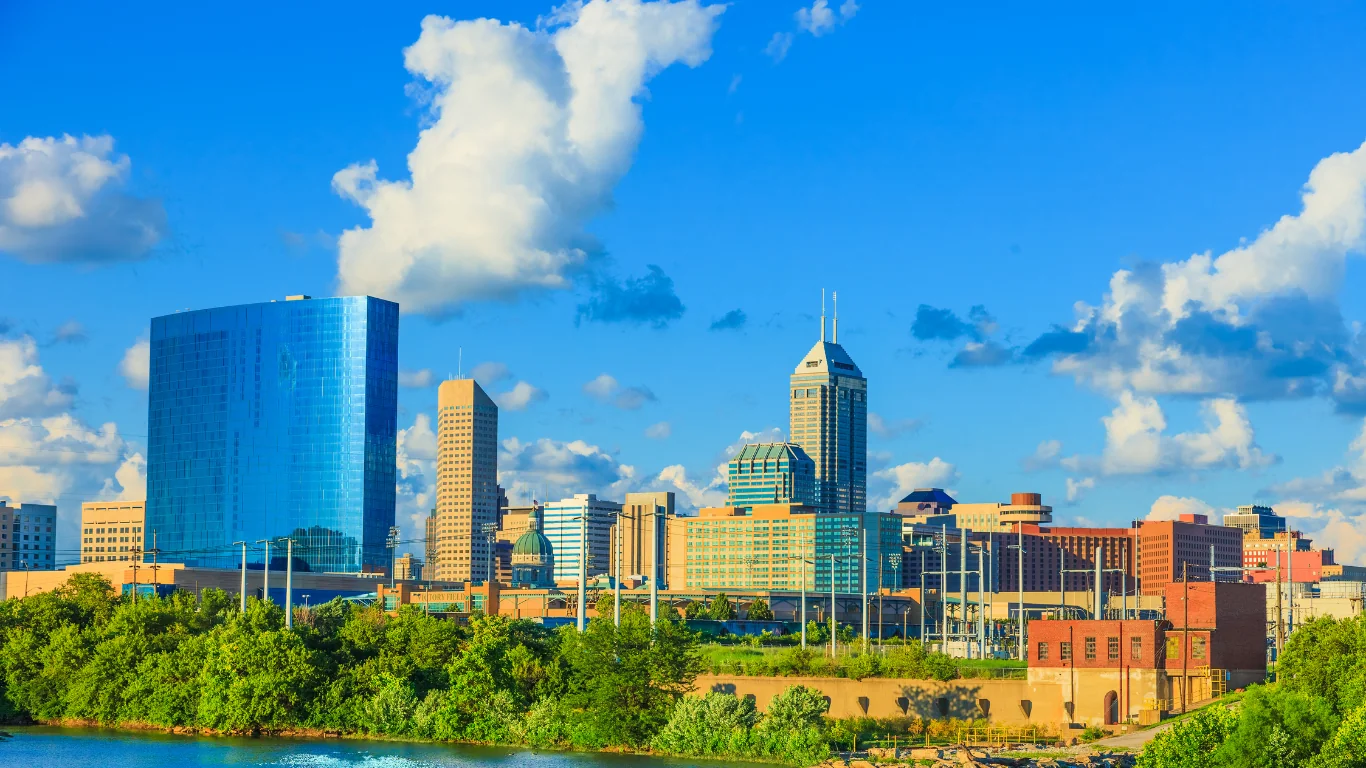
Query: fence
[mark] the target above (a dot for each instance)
(965, 735)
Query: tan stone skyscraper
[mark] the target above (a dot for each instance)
(467, 483)
(829, 409)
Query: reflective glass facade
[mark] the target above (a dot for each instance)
(770, 473)
(274, 419)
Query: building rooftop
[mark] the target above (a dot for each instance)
(929, 496)
(765, 451)
(828, 357)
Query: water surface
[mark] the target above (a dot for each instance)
(44, 747)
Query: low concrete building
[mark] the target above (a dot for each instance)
(309, 588)
(112, 531)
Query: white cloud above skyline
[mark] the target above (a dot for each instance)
(62, 201)
(527, 133)
(817, 20)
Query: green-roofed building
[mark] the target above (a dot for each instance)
(771, 473)
(533, 557)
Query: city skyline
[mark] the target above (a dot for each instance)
(1012, 235)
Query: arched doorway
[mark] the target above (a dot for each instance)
(1111, 708)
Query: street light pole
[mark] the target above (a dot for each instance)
(244, 575)
(289, 583)
(393, 554)
(583, 570)
(1019, 578)
(863, 581)
(265, 583)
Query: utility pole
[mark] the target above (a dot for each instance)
(244, 575)
(1124, 580)
(943, 617)
(616, 589)
(1100, 583)
(962, 588)
(1019, 583)
(895, 560)
(834, 625)
(654, 564)
(1280, 611)
(802, 562)
(137, 557)
(155, 551)
(1185, 629)
(922, 597)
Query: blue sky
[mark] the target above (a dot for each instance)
(921, 160)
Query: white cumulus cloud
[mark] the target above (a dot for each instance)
(527, 135)
(61, 200)
(904, 478)
(1173, 507)
(415, 486)
(1136, 441)
(520, 397)
(419, 379)
(48, 454)
(659, 430)
(136, 365)
(817, 20)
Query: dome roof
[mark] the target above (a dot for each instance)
(533, 543)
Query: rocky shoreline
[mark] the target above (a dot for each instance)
(958, 757)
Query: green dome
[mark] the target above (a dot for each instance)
(533, 543)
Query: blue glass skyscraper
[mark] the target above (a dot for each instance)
(270, 420)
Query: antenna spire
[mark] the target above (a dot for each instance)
(834, 299)
(460, 364)
(822, 314)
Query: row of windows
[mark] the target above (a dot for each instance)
(1199, 649)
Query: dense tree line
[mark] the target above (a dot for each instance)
(83, 653)
(1314, 715)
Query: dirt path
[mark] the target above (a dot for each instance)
(1135, 740)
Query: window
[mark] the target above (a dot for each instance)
(1112, 648)
(1090, 649)
(1042, 653)
(1065, 651)
(1197, 647)
(1136, 648)
(1174, 647)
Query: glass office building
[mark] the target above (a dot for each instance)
(770, 473)
(272, 420)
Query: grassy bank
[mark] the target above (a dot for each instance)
(890, 661)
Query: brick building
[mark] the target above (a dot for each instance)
(1048, 550)
(1299, 561)
(1166, 547)
(1214, 637)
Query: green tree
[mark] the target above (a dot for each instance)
(1190, 743)
(1277, 726)
(257, 676)
(704, 726)
(695, 609)
(1347, 748)
(759, 610)
(720, 608)
(792, 728)
(1327, 657)
(623, 682)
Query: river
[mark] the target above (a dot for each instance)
(43, 747)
